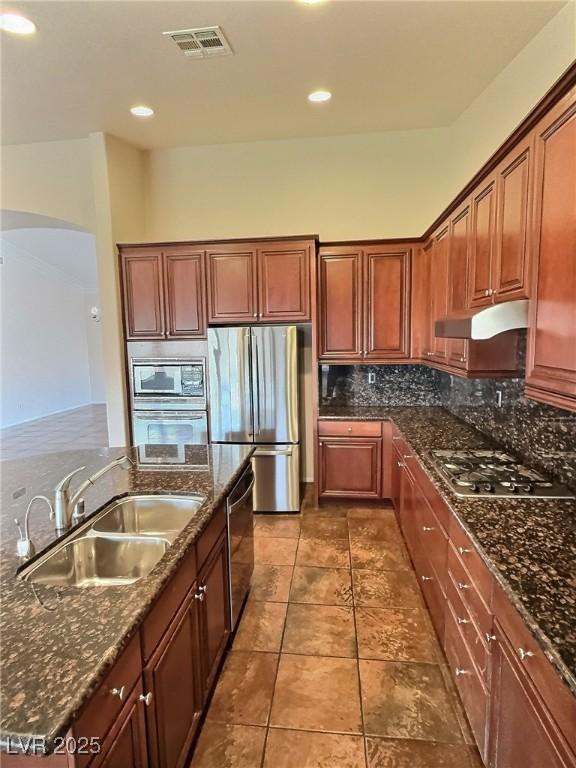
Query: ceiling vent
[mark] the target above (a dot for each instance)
(201, 43)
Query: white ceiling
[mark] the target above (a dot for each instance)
(71, 253)
(390, 65)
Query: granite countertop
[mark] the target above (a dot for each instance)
(528, 544)
(58, 643)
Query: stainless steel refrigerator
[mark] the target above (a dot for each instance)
(253, 387)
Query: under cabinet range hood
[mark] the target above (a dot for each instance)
(484, 322)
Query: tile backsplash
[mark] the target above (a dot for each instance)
(393, 385)
(542, 435)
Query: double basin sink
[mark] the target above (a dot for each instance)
(118, 546)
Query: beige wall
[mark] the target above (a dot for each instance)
(369, 185)
(118, 171)
(50, 178)
(502, 106)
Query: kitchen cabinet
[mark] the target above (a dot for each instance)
(438, 281)
(125, 745)
(171, 679)
(214, 612)
(350, 459)
(253, 282)
(522, 730)
(551, 360)
(163, 292)
(458, 260)
(364, 295)
(482, 243)
(340, 297)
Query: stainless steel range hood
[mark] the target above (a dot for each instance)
(484, 322)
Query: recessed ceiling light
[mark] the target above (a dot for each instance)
(318, 97)
(18, 25)
(142, 111)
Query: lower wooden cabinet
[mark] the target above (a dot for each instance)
(214, 612)
(350, 467)
(125, 746)
(172, 685)
(522, 732)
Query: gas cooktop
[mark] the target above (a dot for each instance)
(495, 473)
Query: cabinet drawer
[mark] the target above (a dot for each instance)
(470, 596)
(350, 428)
(433, 541)
(431, 590)
(167, 605)
(468, 682)
(476, 644)
(210, 536)
(472, 561)
(104, 707)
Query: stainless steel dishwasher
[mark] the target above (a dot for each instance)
(240, 524)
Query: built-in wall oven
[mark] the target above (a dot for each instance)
(168, 399)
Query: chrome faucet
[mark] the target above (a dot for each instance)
(25, 547)
(70, 509)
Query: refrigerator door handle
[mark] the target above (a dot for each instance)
(284, 452)
(257, 381)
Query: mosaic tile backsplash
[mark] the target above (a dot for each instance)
(542, 435)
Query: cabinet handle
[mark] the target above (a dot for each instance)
(463, 550)
(407, 456)
(199, 596)
(146, 698)
(119, 692)
(489, 637)
(203, 589)
(255, 314)
(400, 464)
(426, 578)
(460, 672)
(462, 621)
(524, 654)
(349, 429)
(487, 292)
(463, 586)
(427, 528)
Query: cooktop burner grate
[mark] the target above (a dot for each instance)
(495, 473)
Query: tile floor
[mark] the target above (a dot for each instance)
(84, 427)
(335, 663)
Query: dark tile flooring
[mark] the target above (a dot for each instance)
(84, 427)
(335, 663)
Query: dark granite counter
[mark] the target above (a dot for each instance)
(58, 643)
(528, 544)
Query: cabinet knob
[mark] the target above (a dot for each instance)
(119, 692)
(460, 672)
(489, 637)
(199, 596)
(462, 621)
(426, 578)
(146, 698)
(463, 550)
(407, 456)
(427, 528)
(487, 292)
(461, 585)
(255, 314)
(349, 429)
(524, 654)
(204, 589)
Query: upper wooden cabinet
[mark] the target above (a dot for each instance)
(364, 295)
(438, 277)
(232, 293)
(551, 364)
(499, 246)
(250, 283)
(458, 264)
(163, 292)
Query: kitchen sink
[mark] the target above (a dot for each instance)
(120, 545)
(160, 516)
(98, 561)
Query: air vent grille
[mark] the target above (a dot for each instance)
(200, 43)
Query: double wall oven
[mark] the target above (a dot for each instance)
(168, 398)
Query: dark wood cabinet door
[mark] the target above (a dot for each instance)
(522, 733)
(171, 676)
(232, 294)
(551, 366)
(438, 264)
(482, 243)
(184, 283)
(214, 611)
(284, 282)
(340, 304)
(350, 467)
(459, 252)
(125, 745)
(512, 254)
(143, 293)
(387, 303)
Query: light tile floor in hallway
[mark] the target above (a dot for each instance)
(335, 663)
(83, 427)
